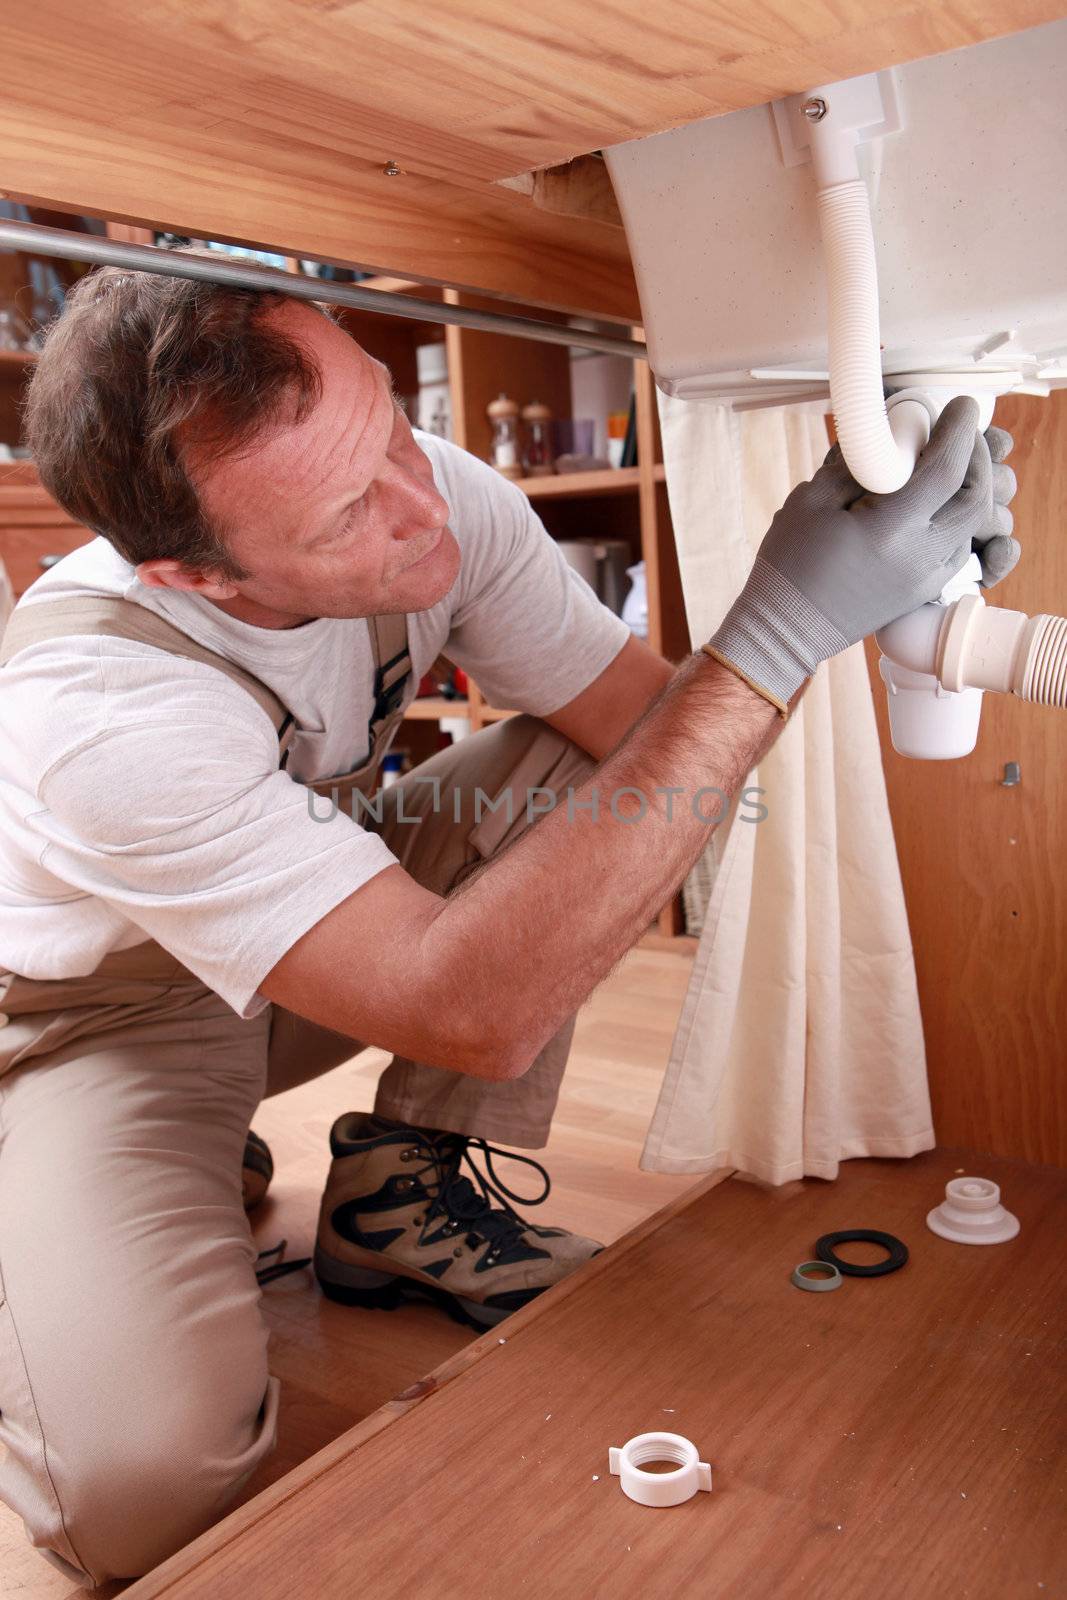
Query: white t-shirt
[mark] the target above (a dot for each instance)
(140, 793)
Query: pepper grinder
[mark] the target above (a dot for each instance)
(537, 457)
(504, 446)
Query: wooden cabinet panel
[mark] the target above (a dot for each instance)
(857, 1439)
(985, 867)
(32, 525)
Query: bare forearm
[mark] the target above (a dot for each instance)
(539, 926)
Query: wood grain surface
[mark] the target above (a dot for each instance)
(32, 525)
(900, 1437)
(985, 867)
(271, 121)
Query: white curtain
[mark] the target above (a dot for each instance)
(800, 1042)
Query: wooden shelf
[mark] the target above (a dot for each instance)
(432, 706)
(388, 285)
(17, 358)
(614, 480)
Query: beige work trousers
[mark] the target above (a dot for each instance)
(135, 1397)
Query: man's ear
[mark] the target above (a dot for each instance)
(174, 575)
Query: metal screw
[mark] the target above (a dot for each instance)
(391, 170)
(814, 109)
(1012, 775)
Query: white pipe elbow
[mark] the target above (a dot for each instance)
(912, 641)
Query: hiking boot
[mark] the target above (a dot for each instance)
(257, 1169)
(400, 1220)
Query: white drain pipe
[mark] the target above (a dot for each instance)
(880, 451)
(969, 645)
(880, 443)
(864, 429)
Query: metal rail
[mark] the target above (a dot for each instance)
(42, 241)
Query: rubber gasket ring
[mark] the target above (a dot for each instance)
(898, 1252)
(818, 1285)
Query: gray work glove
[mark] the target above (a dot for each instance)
(1000, 552)
(838, 563)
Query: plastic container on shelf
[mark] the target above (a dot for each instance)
(434, 403)
(457, 727)
(581, 554)
(613, 583)
(618, 422)
(635, 606)
(392, 768)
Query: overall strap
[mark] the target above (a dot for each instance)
(125, 619)
(389, 644)
(392, 676)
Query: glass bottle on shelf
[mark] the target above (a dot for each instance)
(504, 445)
(537, 456)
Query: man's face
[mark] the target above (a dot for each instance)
(336, 516)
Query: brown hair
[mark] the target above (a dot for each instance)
(137, 366)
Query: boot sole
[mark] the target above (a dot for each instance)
(385, 1291)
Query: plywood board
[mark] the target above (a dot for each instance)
(984, 866)
(899, 1438)
(272, 120)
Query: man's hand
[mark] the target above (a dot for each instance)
(997, 550)
(837, 563)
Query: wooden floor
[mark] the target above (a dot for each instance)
(902, 1439)
(337, 1363)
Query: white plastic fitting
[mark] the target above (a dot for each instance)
(965, 648)
(971, 1213)
(987, 647)
(659, 1488)
(937, 661)
(926, 720)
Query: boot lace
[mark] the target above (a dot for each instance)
(279, 1268)
(478, 1201)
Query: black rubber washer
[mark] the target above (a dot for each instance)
(898, 1252)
